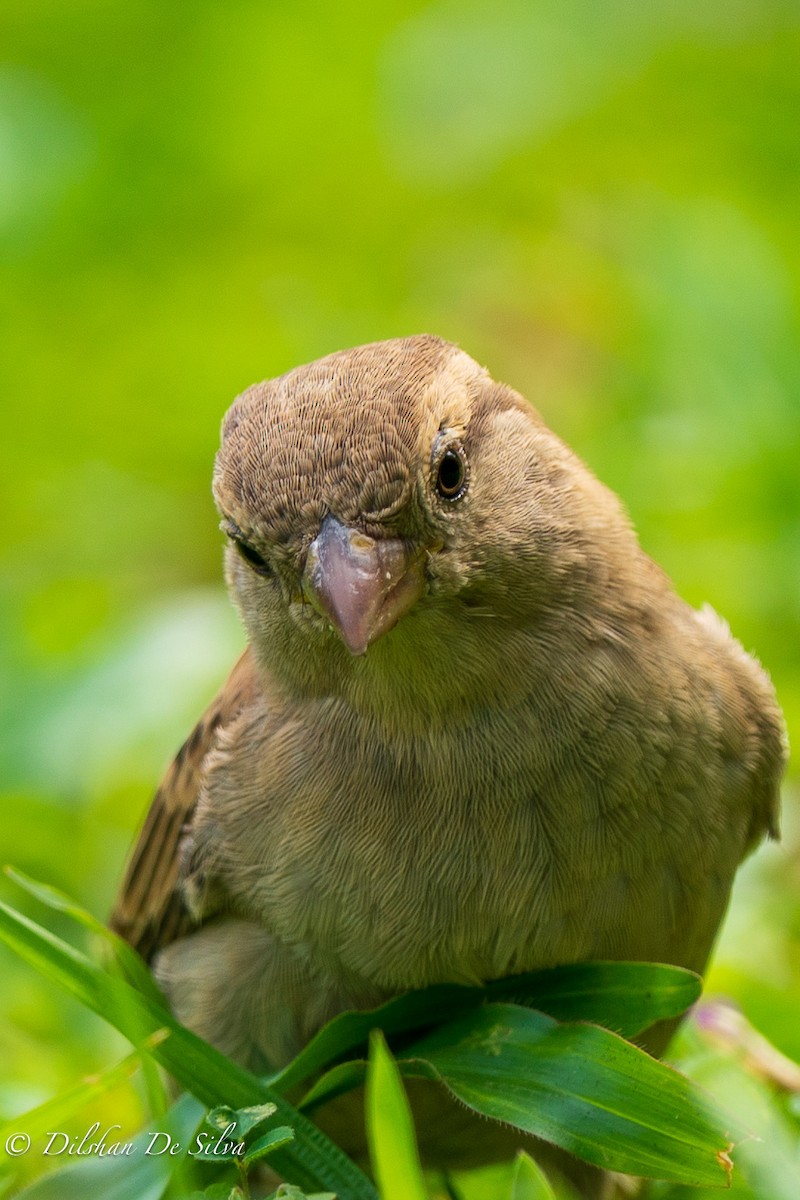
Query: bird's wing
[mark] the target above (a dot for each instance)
(150, 911)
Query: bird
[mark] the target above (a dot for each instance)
(475, 731)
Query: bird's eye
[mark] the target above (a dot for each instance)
(249, 553)
(451, 476)
(252, 557)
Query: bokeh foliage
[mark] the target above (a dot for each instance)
(598, 201)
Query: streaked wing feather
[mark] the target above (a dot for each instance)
(149, 911)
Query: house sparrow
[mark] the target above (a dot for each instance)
(475, 731)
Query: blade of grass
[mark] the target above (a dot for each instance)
(312, 1160)
(133, 968)
(390, 1129)
(528, 1181)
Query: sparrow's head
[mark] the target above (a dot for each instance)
(391, 509)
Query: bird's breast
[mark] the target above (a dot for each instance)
(473, 853)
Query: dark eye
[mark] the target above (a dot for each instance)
(252, 557)
(452, 475)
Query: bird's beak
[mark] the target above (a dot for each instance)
(362, 585)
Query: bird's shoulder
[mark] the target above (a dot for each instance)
(150, 911)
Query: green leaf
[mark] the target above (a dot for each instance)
(342, 1078)
(243, 1126)
(390, 1130)
(624, 997)
(312, 1159)
(528, 1181)
(268, 1143)
(582, 1088)
(248, 1120)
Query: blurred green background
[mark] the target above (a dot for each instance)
(599, 201)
